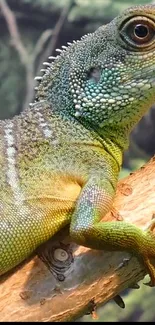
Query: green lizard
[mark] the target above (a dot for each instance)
(60, 159)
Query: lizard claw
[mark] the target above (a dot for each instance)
(119, 301)
(116, 214)
(150, 227)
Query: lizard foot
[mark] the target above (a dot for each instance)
(150, 252)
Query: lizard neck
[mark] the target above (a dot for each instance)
(54, 87)
(114, 140)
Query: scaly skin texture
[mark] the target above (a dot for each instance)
(60, 159)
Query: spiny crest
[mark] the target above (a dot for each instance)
(47, 65)
(85, 36)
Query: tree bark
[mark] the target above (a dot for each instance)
(78, 279)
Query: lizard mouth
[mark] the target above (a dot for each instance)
(143, 78)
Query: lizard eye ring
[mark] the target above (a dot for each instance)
(138, 31)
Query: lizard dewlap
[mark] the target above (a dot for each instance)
(60, 158)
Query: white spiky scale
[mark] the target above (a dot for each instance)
(47, 64)
(38, 78)
(58, 50)
(44, 125)
(12, 172)
(52, 57)
(84, 36)
(64, 47)
(77, 114)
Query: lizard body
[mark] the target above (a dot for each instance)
(60, 159)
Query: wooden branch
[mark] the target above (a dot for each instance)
(80, 278)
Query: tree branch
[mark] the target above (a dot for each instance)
(78, 278)
(25, 58)
(41, 42)
(55, 34)
(14, 32)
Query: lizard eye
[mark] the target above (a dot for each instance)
(141, 32)
(138, 32)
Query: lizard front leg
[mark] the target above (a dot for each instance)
(88, 230)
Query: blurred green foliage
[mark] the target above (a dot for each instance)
(101, 9)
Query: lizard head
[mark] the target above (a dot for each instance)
(108, 77)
